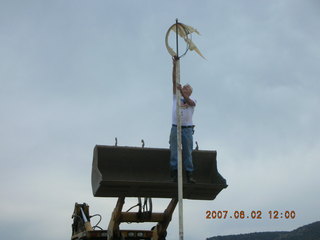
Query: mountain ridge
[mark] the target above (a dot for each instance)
(307, 232)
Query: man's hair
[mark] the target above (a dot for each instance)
(188, 85)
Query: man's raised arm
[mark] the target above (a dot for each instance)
(174, 61)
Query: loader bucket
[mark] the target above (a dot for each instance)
(145, 172)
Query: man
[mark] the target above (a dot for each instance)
(187, 109)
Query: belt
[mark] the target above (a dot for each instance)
(192, 126)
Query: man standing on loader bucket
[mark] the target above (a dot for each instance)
(187, 109)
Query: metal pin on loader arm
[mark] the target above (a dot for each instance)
(87, 224)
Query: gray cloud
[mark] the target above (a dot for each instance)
(75, 74)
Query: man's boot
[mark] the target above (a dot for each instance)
(190, 178)
(174, 175)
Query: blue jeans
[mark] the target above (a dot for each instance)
(187, 147)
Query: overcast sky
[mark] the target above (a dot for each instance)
(76, 73)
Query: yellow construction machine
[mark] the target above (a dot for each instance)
(143, 173)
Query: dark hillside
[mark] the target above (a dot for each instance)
(307, 232)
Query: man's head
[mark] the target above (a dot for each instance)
(187, 89)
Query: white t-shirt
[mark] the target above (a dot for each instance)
(186, 112)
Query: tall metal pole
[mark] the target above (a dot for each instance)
(179, 141)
